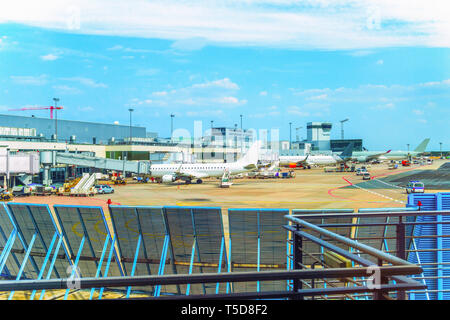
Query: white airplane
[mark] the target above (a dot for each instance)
(168, 173)
(308, 160)
(364, 156)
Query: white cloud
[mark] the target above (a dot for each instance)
(115, 48)
(147, 72)
(294, 110)
(160, 93)
(380, 62)
(230, 100)
(89, 109)
(342, 24)
(263, 93)
(435, 83)
(418, 112)
(379, 95)
(222, 83)
(361, 53)
(63, 89)
(49, 57)
(30, 80)
(207, 113)
(387, 106)
(86, 82)
(319, 97)
(189, 44)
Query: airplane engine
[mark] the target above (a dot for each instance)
(361, 159)
(168, 178)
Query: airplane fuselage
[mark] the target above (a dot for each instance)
(204, 169)
(311, 160)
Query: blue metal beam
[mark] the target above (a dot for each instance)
(100, 264)
(47, 256)
(108, 263)
(50, 269)
(7, 249)
(75, 265)
(136, 255)
(190, 267)
(162, 262)
(25, 259)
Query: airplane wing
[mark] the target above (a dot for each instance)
(375, 156)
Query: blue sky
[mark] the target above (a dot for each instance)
(387, 68)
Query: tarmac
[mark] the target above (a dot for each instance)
(309, 189)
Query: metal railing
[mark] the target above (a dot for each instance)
(418, 237)
(386, 278)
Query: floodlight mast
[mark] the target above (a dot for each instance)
(342, 127)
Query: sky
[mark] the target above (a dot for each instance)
(384, 65)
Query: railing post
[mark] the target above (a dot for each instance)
(298, 259)
(401, 243)
(379, 294)
(401, 249)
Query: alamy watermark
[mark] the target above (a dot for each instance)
(73, 281)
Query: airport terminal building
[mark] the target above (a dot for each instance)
(74, 131)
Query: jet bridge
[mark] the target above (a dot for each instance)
(53, 158)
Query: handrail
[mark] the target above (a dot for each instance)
(351, 243)
(370, 214)
(125, 281)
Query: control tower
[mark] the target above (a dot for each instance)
(318, 134)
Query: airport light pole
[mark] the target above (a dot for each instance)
(171, 125)
(342, 127)
(242, 135)
(56, 118)
(290, 135)
(440, 148)
(131, 110)
(407, 146)
(235, 135)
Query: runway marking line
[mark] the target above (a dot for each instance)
(330, 192)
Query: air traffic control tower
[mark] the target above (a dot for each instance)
(318, 134)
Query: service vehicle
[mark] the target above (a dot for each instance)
(366, 176)
(104, 188)
(415, 187)
(406, 163)
(361, 171)
(392, 166)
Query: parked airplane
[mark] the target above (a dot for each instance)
(168, 173)
(308, 160)
(364, 156)
(291, 161)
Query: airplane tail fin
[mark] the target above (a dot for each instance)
(251, 157)
(348, 151)
(422, 146)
